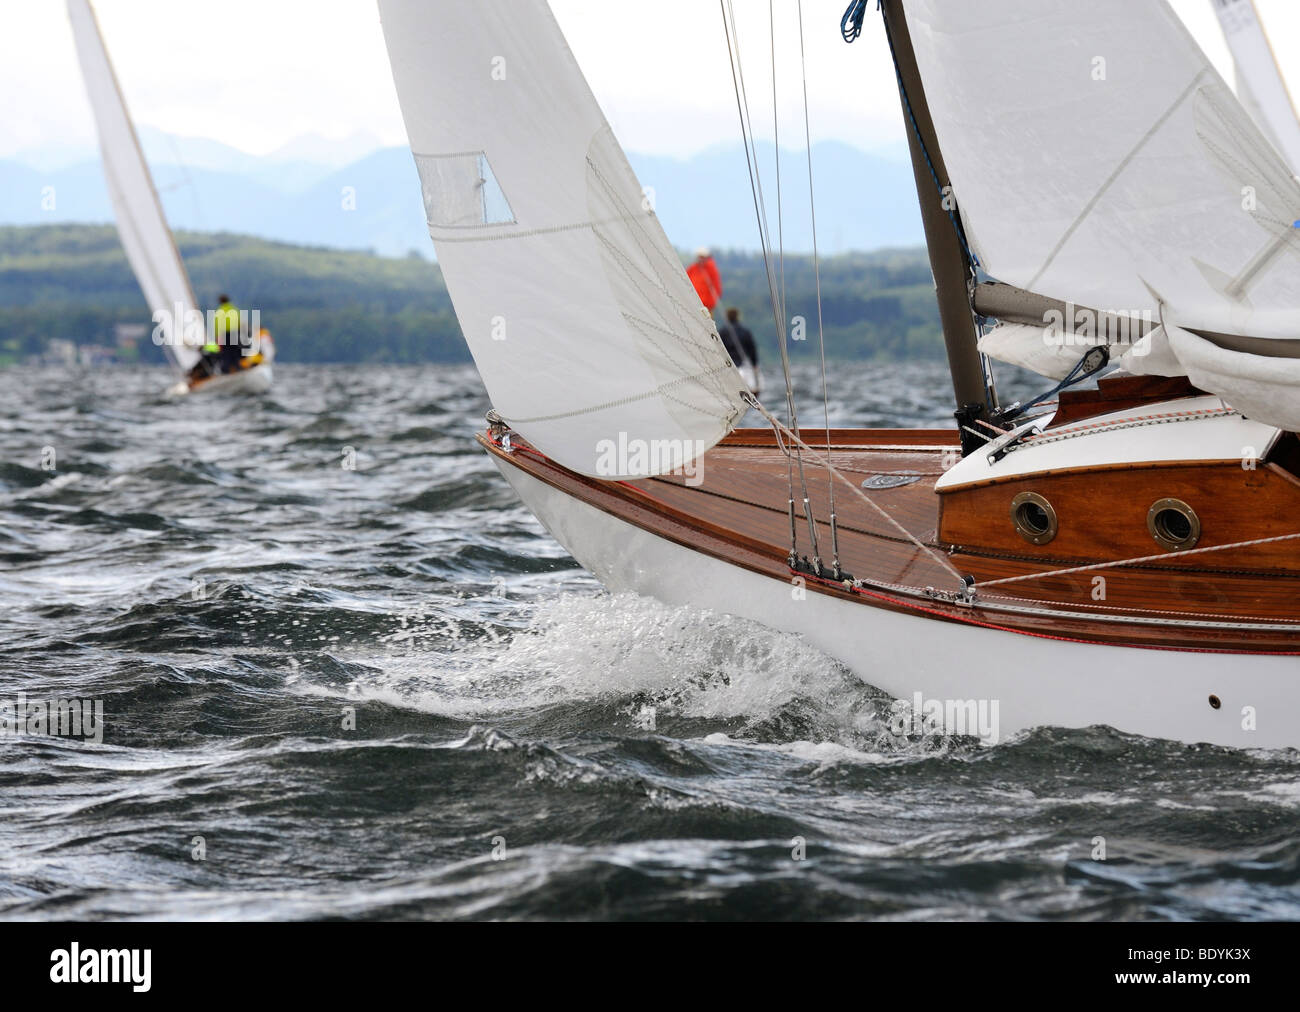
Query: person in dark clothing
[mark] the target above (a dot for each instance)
(732, 345)
(739, 342)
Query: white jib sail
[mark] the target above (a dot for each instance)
(1097, 157)
(589, 337)
(1260, 86)
(149, 244)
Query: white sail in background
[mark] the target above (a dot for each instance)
(148, 241)
(589, 337)
(1097, 157)
(1260, 86)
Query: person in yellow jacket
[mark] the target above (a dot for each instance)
(225, 343)
(227, 333)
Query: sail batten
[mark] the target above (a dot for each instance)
(575, 306)
(141, 224)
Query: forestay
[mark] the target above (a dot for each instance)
(1097, 157)
(590, 339)
(150, 247)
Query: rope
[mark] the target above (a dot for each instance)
(1162, 557)
(1095, 428)
(1092, 362)
(851, 23)
(1144, 614)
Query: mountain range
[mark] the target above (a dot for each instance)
(355, 194)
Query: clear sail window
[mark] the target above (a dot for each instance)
(460, 191)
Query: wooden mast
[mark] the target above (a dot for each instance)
(949, 261)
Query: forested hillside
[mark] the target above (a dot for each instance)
(73, 282)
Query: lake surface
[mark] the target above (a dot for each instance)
(344, 674)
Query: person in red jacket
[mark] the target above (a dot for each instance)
(705, 277)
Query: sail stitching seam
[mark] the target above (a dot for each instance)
(691, 347)
(658, 391)
(651, 252)
(1110, 181)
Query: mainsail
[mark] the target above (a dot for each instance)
(150, 247)
(1260, 86)
(590, 339)
(1097, 157)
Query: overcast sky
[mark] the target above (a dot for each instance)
(660, 69)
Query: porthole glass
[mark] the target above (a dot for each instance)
(1034, 518)
(1173, 524)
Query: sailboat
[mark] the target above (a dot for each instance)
(1260, 86)
(1125, 555)
(148, 241)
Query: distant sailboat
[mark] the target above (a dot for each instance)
(1260, 85)
(1128, 555)
(148, 241)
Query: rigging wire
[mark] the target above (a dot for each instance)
(917, 542)
(817, 278)
(760, 212)
(780, 255)
(788, 438)
(785, 316)
(776, 153)
(793, 444)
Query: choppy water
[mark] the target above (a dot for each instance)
(213, 573)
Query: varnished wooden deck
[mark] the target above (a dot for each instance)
(745, 489)
(737, 511)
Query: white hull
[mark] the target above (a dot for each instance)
(1035, 681)
(249, 381)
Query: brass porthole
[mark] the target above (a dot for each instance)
(1034, 518)
(1173, 524)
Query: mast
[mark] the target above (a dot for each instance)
(950, 263)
